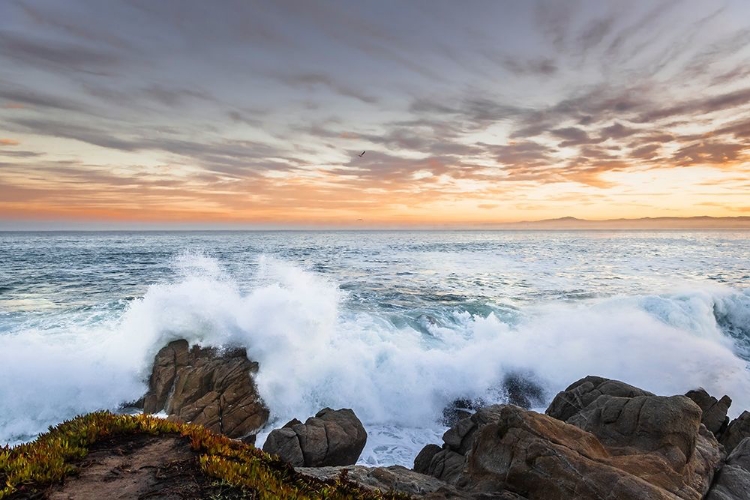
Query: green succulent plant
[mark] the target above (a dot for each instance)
(53, 456)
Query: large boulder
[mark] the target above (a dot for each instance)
(714, 410)
(207, 386)
(627, 448)
(330, 438)
(585, 391)
(662, 430)
(737, 430)
(733, 480)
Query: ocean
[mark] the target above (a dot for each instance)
(393, 324)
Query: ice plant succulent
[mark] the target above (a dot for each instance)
(53, 456)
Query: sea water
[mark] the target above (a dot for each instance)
(395, 325)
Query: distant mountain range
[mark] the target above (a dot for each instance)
(703, 222)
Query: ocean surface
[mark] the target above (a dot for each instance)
(394, 325)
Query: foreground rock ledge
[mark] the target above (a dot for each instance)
(207, 386)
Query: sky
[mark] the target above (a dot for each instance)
(254, 113)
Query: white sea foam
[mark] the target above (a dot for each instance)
(314, 351)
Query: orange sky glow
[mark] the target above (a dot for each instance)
(518, 112)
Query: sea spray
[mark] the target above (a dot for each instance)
(317, 348)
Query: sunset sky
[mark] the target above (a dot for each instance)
(252, 113)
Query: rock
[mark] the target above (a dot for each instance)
(332, 437)
(398, 479)
(521, 390)
(733, 480)
(517, 388)
(395, 478)
(667, 429)
(714, 411)
(618, 447)
(737, 430)
(285, 443)
(459, 409)
(423, 459)
(645, 423)
(446, 465)
(585, 391)
(208, 387)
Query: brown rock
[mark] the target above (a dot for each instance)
(714, 411)
(332, 437)
(658, 430)
(208, 387)
(630, 448)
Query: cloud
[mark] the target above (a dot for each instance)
(25, 98)
(57, 55)
(312, 80)
(543, 66)
(9, 142)
(709, 152)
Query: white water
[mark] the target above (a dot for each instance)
(314, 351)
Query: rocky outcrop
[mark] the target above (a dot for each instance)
(207, 386)
(737, 430)
(331, 437)
(585, 391)
(618, 442)
(666, 431)
(400, 480)
(733, 480)
(714, 410)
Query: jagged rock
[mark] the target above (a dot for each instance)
(208, 387)
(669, 428)
(626, 448)
(644, 422)
(737, 430)
(332, 437)
(714, 411)
(585, 391)
(733, 480)
(521, 390)
(423, 459)
(517, 388)
(459, 409)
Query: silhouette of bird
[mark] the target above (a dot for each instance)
(361, 154)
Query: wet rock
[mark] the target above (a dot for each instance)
(332, 437)
(521, 390)
(459, 409)
(737, 430)
(207, 386)
(714, 411)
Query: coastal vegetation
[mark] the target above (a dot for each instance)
(247, 471)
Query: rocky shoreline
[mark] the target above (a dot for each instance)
(598, 439)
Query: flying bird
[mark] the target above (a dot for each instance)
(361, 154)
